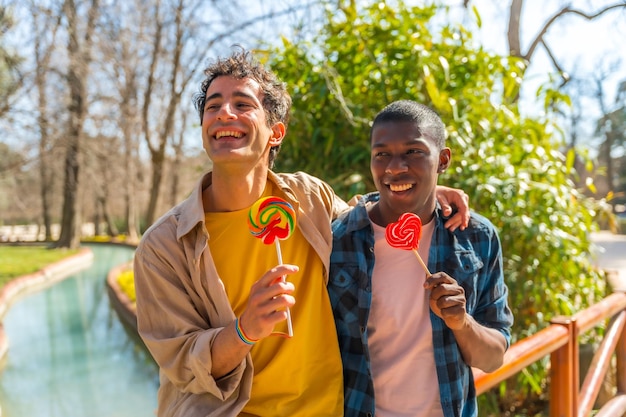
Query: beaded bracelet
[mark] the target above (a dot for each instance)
(245, 339)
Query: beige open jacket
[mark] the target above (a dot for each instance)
(182, 305)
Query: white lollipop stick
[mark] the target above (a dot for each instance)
(280, 261)
(419, 258)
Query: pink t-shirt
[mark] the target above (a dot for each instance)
(400, 333)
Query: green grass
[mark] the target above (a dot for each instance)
(21, 260)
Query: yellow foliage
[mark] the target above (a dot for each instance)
(126, 281)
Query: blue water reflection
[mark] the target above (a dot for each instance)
(69, 355)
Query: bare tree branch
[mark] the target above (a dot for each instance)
(564, 75)
(151, 77)
(243, 25)
(564, 11)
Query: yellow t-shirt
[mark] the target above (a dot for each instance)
(299, 376)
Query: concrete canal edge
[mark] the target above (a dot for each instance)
(125, 308)
(121, 303)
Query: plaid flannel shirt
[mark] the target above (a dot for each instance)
(473, 257)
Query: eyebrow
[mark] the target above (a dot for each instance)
(410, 142)
(236, 94)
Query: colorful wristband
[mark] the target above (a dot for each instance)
(245, 339)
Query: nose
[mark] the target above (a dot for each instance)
(396, 165)
(225, 112)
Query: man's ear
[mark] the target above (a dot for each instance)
(444, 160)
(278, 133)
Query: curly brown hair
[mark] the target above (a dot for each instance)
(241, 64)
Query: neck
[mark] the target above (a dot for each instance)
(233, 190)
(385, 217)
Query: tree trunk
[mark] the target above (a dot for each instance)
(157, 176)
(79, 59)
(128, 123)
(513, 33)
(45, 186)
(97, 221)
(610, 171)
(175, 185)
(175, 91)
(178, 158)
(106, 215)
(130, 212)
(70, 237)
(42, 59)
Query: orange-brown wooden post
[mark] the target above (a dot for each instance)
(564, 372)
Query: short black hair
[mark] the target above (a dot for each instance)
(426, 119)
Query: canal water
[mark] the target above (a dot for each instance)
(70, 356)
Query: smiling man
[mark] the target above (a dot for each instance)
(401, 329)
(209, 294)
(211, 304)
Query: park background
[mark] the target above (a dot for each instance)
(97, 124)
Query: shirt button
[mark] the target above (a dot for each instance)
(372, 249)
(362, 329)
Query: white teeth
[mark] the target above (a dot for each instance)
(402, 187)
(228, 133)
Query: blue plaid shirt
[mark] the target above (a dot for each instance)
(473, 257)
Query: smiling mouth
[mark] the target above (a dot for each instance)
(400, 187)
(228, 133)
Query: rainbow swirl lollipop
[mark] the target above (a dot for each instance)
(271, 218)
(405, 234)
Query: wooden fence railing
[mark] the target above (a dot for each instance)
(560, 341)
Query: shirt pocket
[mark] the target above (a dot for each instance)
(465, 269)
(469, 263)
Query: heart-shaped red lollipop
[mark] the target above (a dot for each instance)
(405, 234)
